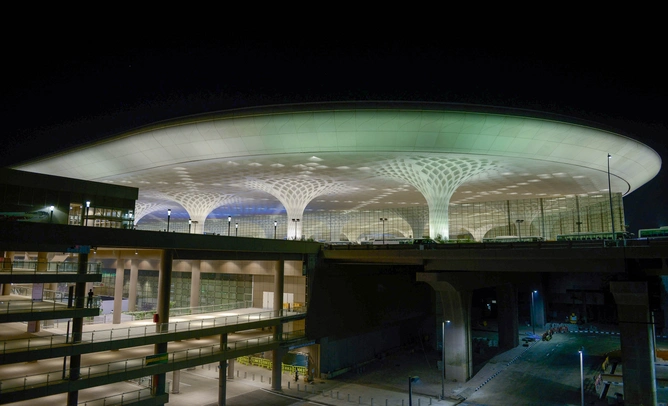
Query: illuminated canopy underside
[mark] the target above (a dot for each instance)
(338, 157)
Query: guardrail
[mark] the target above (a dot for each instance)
(121, 399)
(187, 311)
(638, 242)
(122, 366)
(55, 267)
(33, 305)
(90, 337)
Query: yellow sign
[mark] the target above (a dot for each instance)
(156, 359)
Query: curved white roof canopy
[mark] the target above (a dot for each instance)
(345, 158)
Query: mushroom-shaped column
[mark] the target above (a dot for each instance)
(200, 204)
(436, 178)
(144, 208)
(295, 195)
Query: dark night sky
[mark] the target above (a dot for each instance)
(66, 91)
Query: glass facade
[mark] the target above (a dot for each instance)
(221, 288)
(42, 198)
(542, 217)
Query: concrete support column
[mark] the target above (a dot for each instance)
(508, 320)
(195, 283)
(77, 328)
(277, 364)
(230, 368)
(164, 288)
(7, 265)
(279, 286)
(38, 290)
(132, 288)
(176, 380)
(9, 256)
(457, 337)
(118, 288)
(42, 263)
(222, 383)
(637, 342)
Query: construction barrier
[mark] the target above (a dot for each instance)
(268, 364)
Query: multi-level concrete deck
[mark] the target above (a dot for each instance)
(194, 340)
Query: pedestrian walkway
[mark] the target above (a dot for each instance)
(14, 338)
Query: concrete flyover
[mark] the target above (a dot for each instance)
(573, 256)
(454, 271)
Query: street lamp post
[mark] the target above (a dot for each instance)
(612, 215)
(582, 388)
(519, 229)
(229, 222)
(275, 224)
(443, 360)
(51, 217)
(383, 220)
(533, 313)
(190, 223)
(411, 380)
(236, 229)
(169, 216)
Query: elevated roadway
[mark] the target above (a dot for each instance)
(573, 256)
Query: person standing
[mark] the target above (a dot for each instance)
(90, 298)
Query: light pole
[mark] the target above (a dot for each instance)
(190, 223)
(443, 360)
(533, 312)
(51, 217)
(582, 387)
(411, 380)
(519, 229)
(86, 217)
(229, 222)
(169, 216)
(236, 229)
(612, 216)
(275, 224)
(383, 220)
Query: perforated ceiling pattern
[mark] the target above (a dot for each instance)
(386, 156)
(296, 194)
(143, 208)
(436, 178)
(199, 205)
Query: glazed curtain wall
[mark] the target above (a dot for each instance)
(544, 217)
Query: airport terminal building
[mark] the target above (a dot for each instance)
(208, 218)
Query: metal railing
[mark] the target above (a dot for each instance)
(639, 242)
(33, 305)
(187, 311)
(90, 337)
(57, 267)
(122, 366)
(120, 399)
